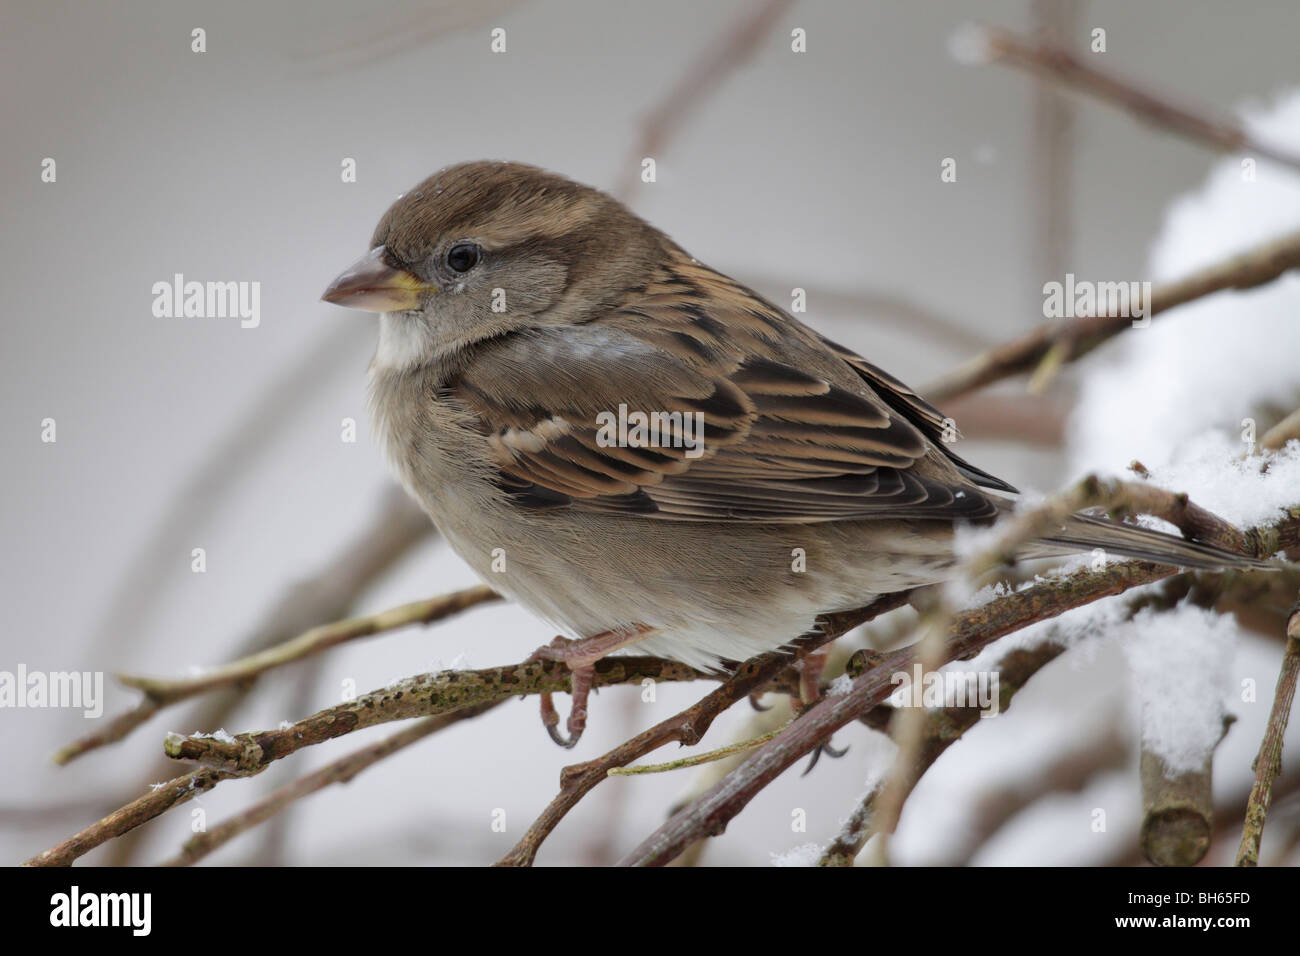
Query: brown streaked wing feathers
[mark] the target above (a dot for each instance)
(781, 444)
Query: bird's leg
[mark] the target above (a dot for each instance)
(810, 676)
(580, 656)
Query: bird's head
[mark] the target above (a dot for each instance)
(486, 248)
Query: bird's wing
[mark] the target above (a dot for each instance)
(919, 412)
(793, 439)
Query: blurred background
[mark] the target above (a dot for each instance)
(818, 170)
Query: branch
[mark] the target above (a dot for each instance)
(1007, 541)
(159, 693)
(1117, 498)
(943, 728)
(1177, 810)
(971, 630)
(1288, 429)
(423, 696)
(160, 799)
(1256, 266)
(1269, 762)
(340, 771)
(689, 726)
(704, 74)
(994, 45)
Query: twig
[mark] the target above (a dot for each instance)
(1256, 266)
(687, 727)
(136, 813)
(1118, 498)
(1052, 169)
(326, 595)
(972, 630)
(696, 760)
(942, 729)
(1288, 429)
(908, 730)
(423, 696)
(1059, 64)
(1008, 539)
(874, 306)
(160, 693)
(339, 771)
(705, 73)
(753, 724)
(1268, 764)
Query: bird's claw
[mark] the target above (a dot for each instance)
(827, 749)
(575, 725)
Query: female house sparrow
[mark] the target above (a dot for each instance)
(525, 317)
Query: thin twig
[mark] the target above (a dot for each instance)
(1007, 540)
(339, 771)
(704, 74)
(1117, 497)
(1288, 429)
(1254, 267)
(1197, 124)
(696, 760)
(423, 696)
(687, 727)
(971, 631)
(1268, 764)
(160, 693)
(160, 799)
(943, 728)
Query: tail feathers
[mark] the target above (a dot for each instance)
(1085, 532)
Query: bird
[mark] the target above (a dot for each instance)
(644, 452)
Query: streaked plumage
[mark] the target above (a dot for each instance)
(813, 458)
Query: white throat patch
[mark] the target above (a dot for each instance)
(405, 342)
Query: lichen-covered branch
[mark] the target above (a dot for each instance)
(422, 696)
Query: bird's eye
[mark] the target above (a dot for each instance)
(462, 257)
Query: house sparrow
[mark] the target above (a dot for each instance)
(642, 450)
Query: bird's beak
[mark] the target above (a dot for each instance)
(372, 284)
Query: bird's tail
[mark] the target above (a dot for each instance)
(1085, 533)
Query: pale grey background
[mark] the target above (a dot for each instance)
(818, 170)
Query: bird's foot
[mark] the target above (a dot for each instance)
(810, 674)
(580, 657)
(810, 669)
